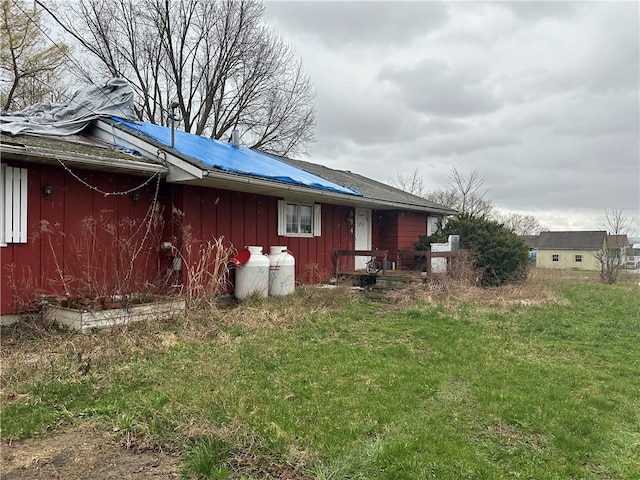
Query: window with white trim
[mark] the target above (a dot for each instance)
(555, 257)
(13, 205)
(578, 258)
(299, 219)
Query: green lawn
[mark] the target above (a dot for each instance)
(445, 389)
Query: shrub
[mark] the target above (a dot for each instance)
(499, 255)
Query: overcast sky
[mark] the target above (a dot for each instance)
(542, 98)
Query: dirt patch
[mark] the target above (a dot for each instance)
(83, 452)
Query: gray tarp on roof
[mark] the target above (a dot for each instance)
(115, 98)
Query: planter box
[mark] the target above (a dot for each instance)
(85, 320)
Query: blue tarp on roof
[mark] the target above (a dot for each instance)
(225, 156)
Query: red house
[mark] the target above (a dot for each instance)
(123, 193)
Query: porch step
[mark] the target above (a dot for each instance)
(393, 280)
(378, 285)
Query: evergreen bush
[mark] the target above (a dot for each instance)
(499, 255)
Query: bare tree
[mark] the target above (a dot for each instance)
(465, 193)
(411, 183)
(30, 65)
(611, 253)
(213, 62)
(520, 224)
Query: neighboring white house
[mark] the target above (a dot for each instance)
(575, 250)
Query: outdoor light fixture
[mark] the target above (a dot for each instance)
(349, 218)
(135, 197)
(47, 190)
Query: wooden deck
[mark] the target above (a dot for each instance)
(378, 284)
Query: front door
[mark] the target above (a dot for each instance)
(362, 236)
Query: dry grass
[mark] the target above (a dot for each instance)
(34, 350)
(256, 313)
(540, 287)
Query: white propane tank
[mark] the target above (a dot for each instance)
(282, 272)
(252, 277)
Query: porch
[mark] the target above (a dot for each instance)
(417, 270)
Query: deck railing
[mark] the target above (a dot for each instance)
(428, 255)
(381, 255)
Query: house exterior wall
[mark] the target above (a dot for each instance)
(410, 226)
(385, 232)
(71, 236)
(399, 230)
(245, 219)
(566, 260)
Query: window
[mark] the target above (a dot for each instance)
(578, 258)
(555, 257)
(298, 219)
(13, 205)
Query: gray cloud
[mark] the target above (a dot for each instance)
(340, 24)
(437, 88)
(537, 10)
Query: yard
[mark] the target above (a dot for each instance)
(537, 381)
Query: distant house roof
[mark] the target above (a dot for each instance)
(530, 241)
(621, 241)
(370, 188)
(578, 240)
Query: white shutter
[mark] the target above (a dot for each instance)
(317, 217)
(282, 218)
(15, 205)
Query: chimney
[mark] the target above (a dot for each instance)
(235, 138)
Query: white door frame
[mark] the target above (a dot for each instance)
(362, 235)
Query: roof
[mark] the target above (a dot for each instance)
(106, 114)
(574, 240)
(280, 175)
(621, 241)
(214, 154)
(530, 241)
(371, 189)
(115, 97)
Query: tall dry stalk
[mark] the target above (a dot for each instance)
(116, 257)
(206, 266)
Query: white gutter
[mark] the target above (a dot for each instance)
(341, 198)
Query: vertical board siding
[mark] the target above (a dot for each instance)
(58, 241)
(57, 228)
(245, 219)
(410, 226)
(386, 223)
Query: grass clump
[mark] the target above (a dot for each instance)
(206, 458)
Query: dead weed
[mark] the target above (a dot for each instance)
(537, 289)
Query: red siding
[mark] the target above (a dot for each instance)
(410, 226)
(60, 245)
(386, 224)
(245, 219)
(398, 230)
